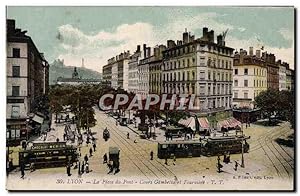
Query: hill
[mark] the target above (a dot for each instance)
(59, 69)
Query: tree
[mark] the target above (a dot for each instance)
(268, 102)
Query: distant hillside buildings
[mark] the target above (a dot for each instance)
(77, 80)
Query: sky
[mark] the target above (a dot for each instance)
(99, 33)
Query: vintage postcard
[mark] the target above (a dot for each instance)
(150, 98)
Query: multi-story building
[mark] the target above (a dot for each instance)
(107, 71)
(201, 67)
(116, 71)
(290, 79)
(143, 71)
(155, 70)
(133, 77)
(249, 78)
(282, 74)
(272, 70)
(27, 81)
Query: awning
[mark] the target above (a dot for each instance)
(38, 119)
(203, 123)
(189, 122)
(229, 123)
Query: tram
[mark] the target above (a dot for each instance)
(179, 149)
(220, 145)
(48, 154)
(106, 134)
(207, 147)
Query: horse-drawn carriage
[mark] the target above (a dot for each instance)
(114, 159)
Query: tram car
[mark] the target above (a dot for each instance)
(106, 134)
(114, 157)
(220, 145)
(48, 154)
(179, 149)
(207, 147)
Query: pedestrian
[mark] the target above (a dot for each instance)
(87, 169)
(87, 139)
(93, 139)
(68, 169)
(94, 146)
(22, 168)
(166, 161)
(151, 155)
(79, 167)
(105, 158)
(219, 166)
(86, 159)
(228, 157)
(57, 140)
(127, 135)
(82, 167)
(134, 141)
(174, 160)
(91, 152)
(236, 165)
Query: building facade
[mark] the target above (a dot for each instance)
(272, 70)
(143, 71)
(282, 75)
(27, 81)
(116, 71)
(249, 78)
(155, 73)
(201, 67)
(133, 71)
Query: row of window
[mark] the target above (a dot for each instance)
(235, 95)
(216, 63)
(256, 83)
(257, 72)
(211, 90)
(178, 64)
(245, 94)
(218, 76)
(180, 51)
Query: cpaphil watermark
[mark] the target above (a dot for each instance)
(152, 101)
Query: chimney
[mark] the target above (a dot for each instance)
(138, 48)
(257, 54)
(251, 51)
(219, 40)
(10, 26)
(211, 36)
(148, 51)
(144, 50)
(185, 37)
(205, 30)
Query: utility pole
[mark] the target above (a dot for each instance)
(242, 164)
